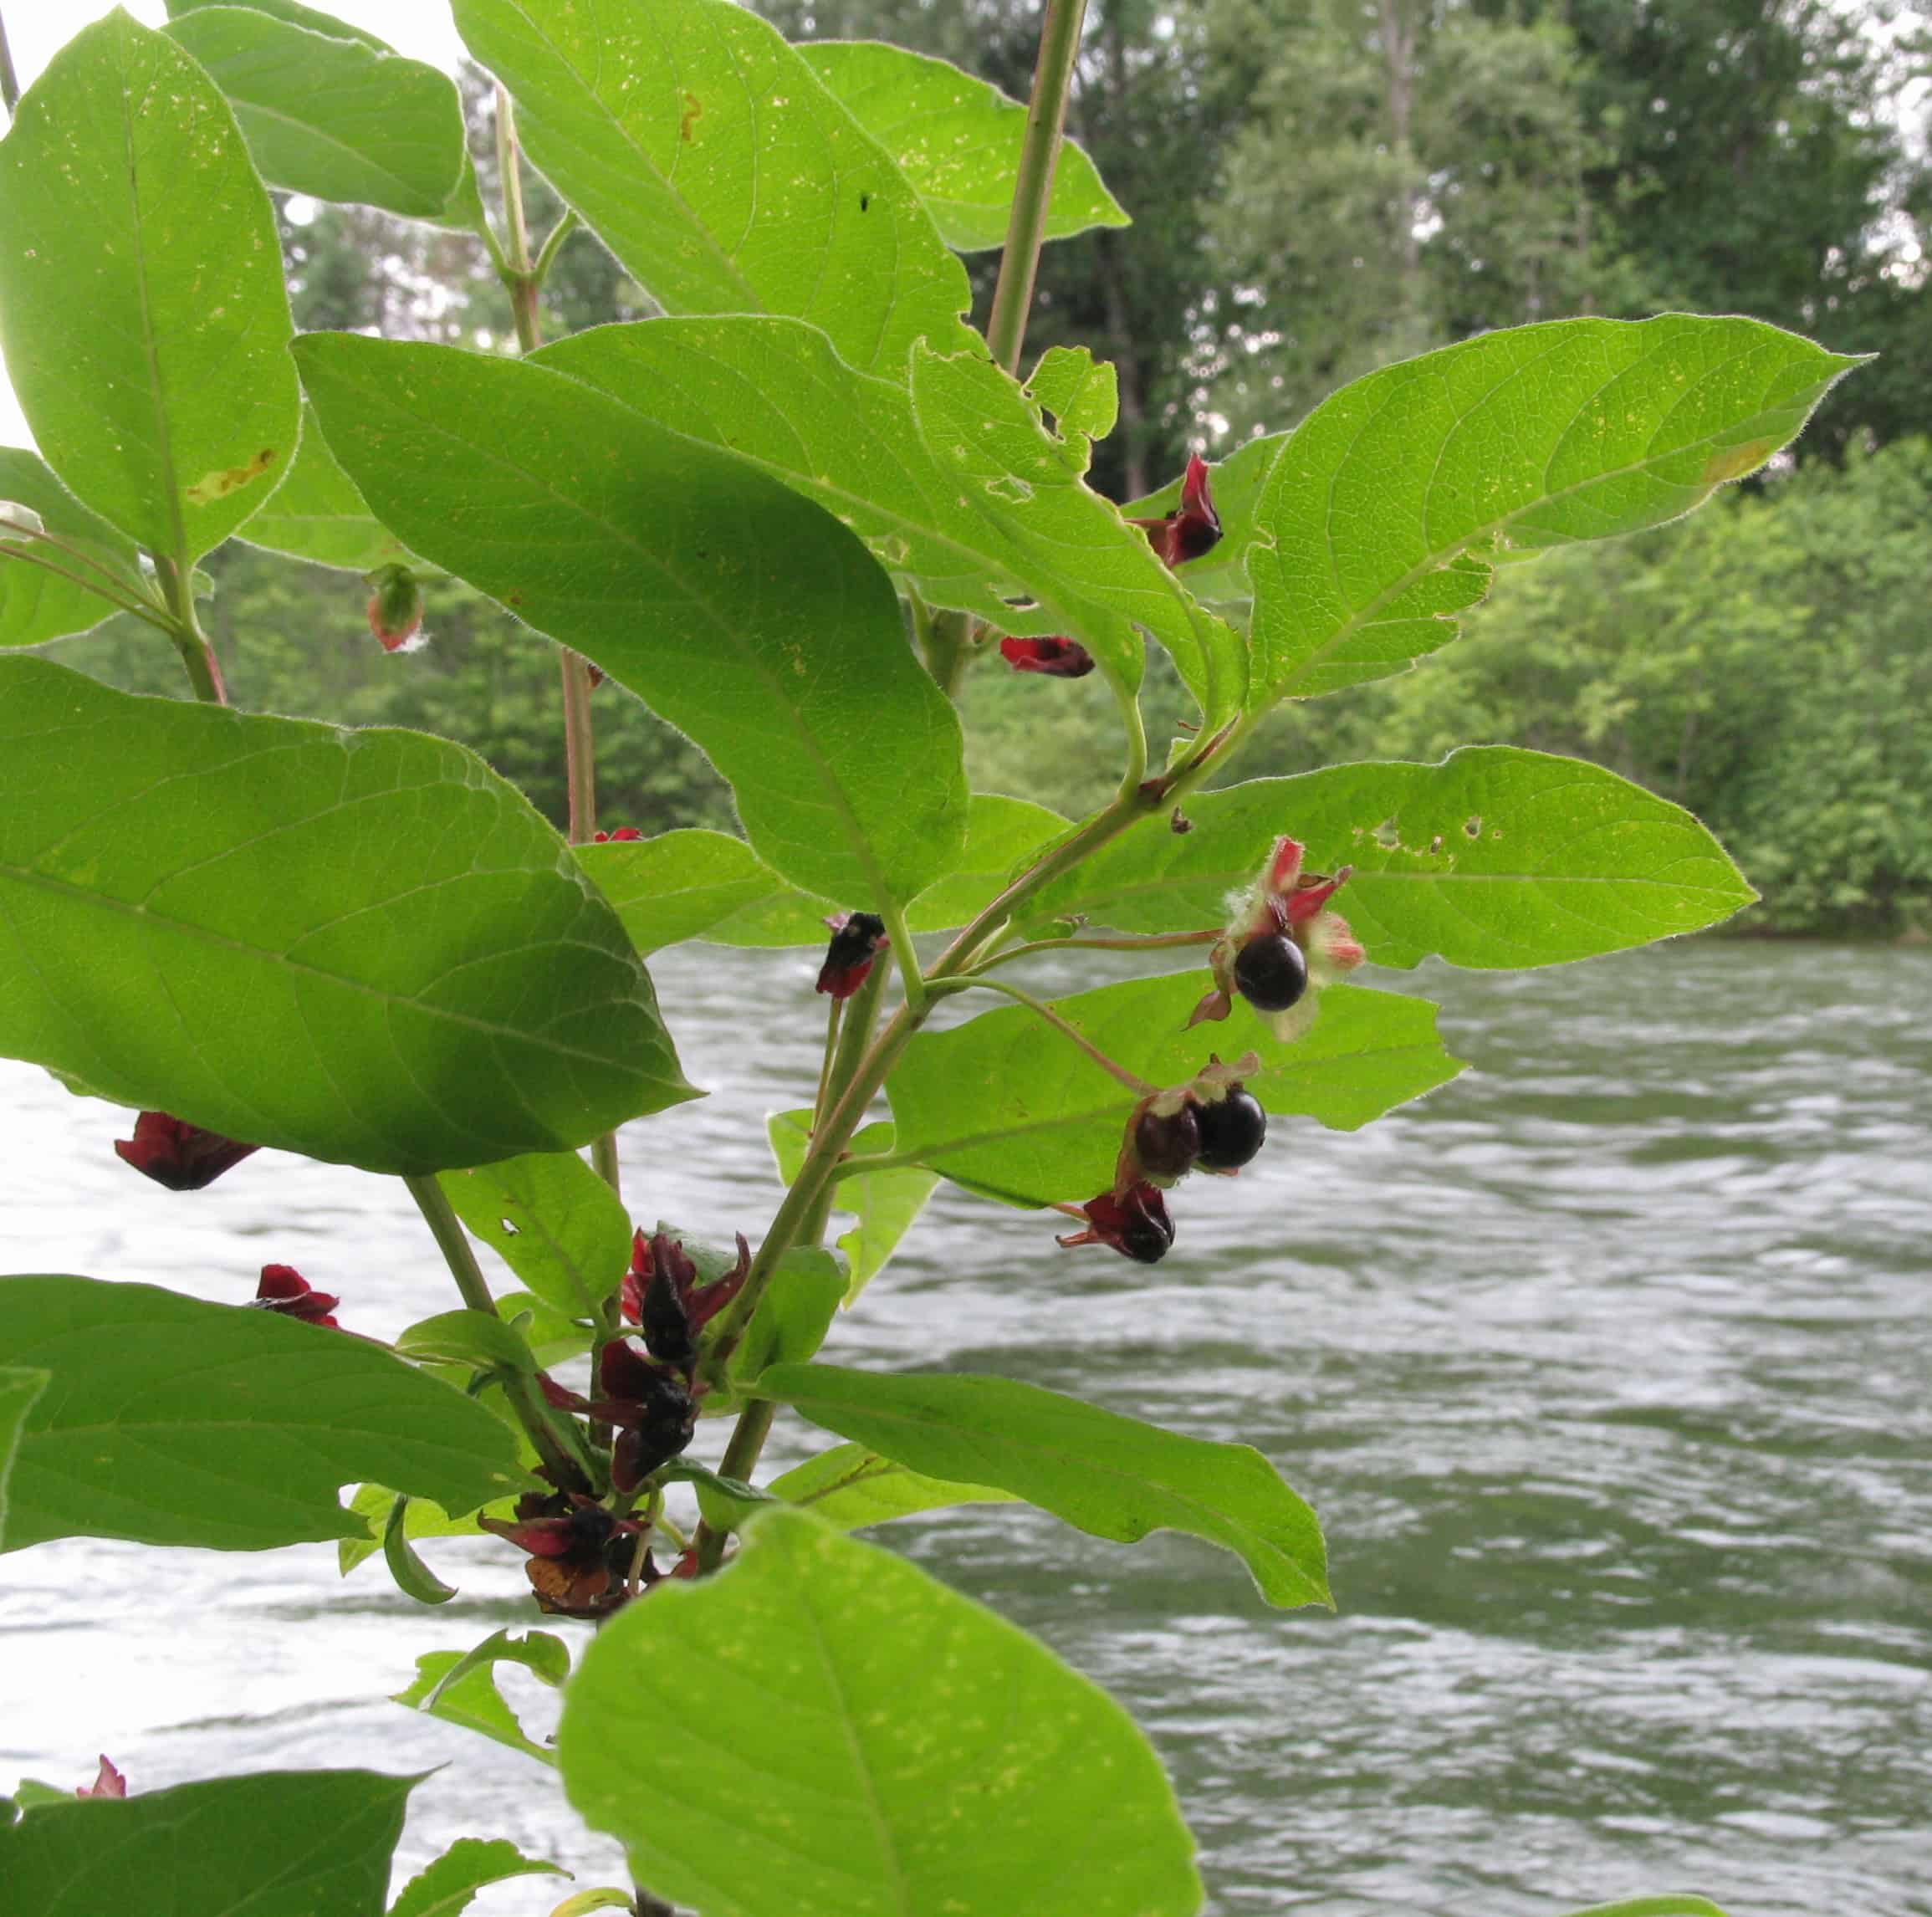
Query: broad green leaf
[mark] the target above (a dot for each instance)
(170, 1421)
(554, 1222)
(19, 1388)
(1007, 1107)
(413, 1578)
(884, 1204)
(142, 303)
(317, 514)
(295, 13)
(1665, 1906)
(333, 118)
(460, 1687)
(477, 1339)
(604, 1897)
(37, 605)
(850, 1487)
(372, 1503)
(915, 1755)
(725, 177)
(1379, 515)
(361, 945)
(1496, 857)
(971, 503)
(1081, 393)
(958, 140)
(793, 1316)
(1219, 577)
(723, 1503)
(446, 1887)
(1112, 1476)
(773, 639)
(280, 1843)
(551, 1334)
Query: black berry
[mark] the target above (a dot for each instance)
(1233, 1130)
(1271, 972)
(1166, 1147)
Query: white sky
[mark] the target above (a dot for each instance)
(36, 29)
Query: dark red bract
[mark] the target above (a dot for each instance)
(857, 939)
(283, 1289)
(180, 1156)
(1193, 528)
(1134, 1223)
(579, 1555)
(1057, 658)
(623, 836)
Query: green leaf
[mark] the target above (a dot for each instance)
(553, 1221)
(1081, 393)
(958, 140)
(317, 514)
(850, 1487)
(413, 1578)
(372, 1504)
(1108, 1475)
(333, 118)
(19, 1388)
(885, 1204)
(295, 13)
(1495, 857)
(280, 1843)
(446, 1888)
(1219, 577)
(723, 1503)
(865, 1697)
(477, 1339)
(361, 945)
(725, 177)
(37, 605)
(973, 504)
(1006, 1106)
(1666, 1906)
(141, 304)
(773, 640)
(549, 1333)
(604, 1897)
(1378, 516)
(793, 1316)
(173, 1422)
(460, 1686)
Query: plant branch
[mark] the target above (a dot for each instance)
(553, 245)
(1045, 116)
(196, 651)
(566, 1471)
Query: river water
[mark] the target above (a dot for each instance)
(1607, 1367)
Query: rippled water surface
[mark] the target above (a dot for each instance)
(1608, 1366)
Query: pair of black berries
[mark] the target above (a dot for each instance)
(1221, 1136)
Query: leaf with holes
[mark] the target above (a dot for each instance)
(850, 1487)
(1081, 393)
(1006, 1106)
(726, 178)
(169, 1421)
(280, 1843)
(333, 118)
(1112, 1476)
(862, 1694)
(141, 304)
(361, 945)
(1495, 857)
(774, 640)
(1379, 515)
(557, 1225)
(958, 140)
(460, 1687)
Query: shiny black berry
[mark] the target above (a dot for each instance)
(1271, 972)
(1166, 1147)
(1233, 1130)
(1146, 1232)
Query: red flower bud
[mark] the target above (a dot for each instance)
(283, 1289)
(1134, 1223)
(857, 939)
(1057, 658)
(622, 837)
(180, 1156)
(108, 1783)
(1193, 527)
(395, 608)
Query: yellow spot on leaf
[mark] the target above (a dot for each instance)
(1737, 461)
(213, 486)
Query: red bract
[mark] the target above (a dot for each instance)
(1057, 658)
(858, 937)
(1193, 527)
(283, 1289)
(180, 1156)
(108, 1783)
(654, 1412)
(1134, 1223)
(622, 837)
(579, 1555)
(662, 1297)
(395, 608)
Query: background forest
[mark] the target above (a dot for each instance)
(1318, 186)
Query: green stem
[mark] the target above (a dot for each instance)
(909, 958)
(197, 653)
(518, 282)
(1026, 225)
(1152, 942)
(9, 81)
(580, 747)
(553, 245)
(566, 1471)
